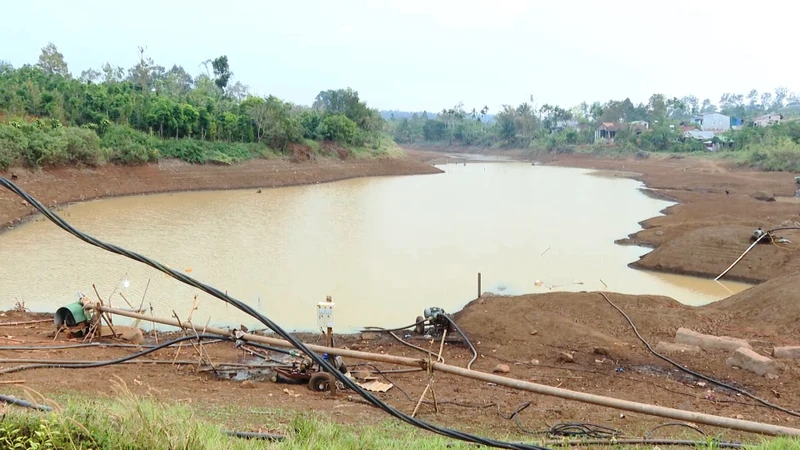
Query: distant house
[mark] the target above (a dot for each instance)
(767, 120)
(713, 122)
(562, 125)
(736, 123)
(706, 137)
(685, 128)
(699, 135)
(607, 131)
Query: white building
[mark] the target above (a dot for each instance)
(767, 120)
(713, 122)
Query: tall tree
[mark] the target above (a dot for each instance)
(51, 61)
(222, 72)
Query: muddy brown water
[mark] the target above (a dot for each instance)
(384, 248)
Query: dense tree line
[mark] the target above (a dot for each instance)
(140, 110)
(553, 127)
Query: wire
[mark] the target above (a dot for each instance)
(472, 347)
(675, 424)
(455, 434)
(574, 429)
(692, 372)
(23, 403)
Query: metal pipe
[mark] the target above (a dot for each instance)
(625, 405)
(740, 258)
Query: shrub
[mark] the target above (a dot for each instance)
(13, 143)
(187, 150)
(82, 146)
(782, 154)
(128, 146)
(337, 127)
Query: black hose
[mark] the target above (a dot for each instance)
(259, 436)
(107, 362)
(88, 344)
(472, 347)
(23, 403)
(692, 372)
(327, 366)
(368, 329)
(664, 442)
(282, 351)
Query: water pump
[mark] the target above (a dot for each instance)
(438, 319)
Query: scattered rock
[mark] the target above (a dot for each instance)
(501, 368)
(24, 203)
(248, 384)
(709, 342)
(370, 336)
(772, 376)
(481, 301)
(669, 347)
(355, 346)
(566, 357)
(751, 361)
(601, 351)
(258, 191)
(786, 352)
(534, 332)
(659, 233)
(534, 362)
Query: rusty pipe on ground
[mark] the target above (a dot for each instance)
(625, 405)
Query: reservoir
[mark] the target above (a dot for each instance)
(383, 248)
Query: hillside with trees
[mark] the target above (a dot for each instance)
(49, 117)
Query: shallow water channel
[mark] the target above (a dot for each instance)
(384, 248)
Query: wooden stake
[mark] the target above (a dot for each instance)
(479, 285)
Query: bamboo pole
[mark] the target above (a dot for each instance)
(625, 405)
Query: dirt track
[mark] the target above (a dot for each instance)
(55, 187)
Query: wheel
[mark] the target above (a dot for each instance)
(319, 382)
(420, 327)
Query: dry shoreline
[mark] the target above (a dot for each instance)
(59, 187)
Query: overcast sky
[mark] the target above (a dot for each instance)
(430, 54)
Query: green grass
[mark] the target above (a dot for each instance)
(131, 422)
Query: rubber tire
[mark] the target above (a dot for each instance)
(320, 382)
(420, 328)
